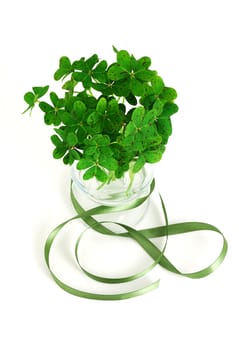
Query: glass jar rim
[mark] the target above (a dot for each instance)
(118, 191)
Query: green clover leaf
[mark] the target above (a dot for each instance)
(110, 118)
(90, 173)
(101, 175)
(138, 165)
(84, 71)
(84, 163)
(130, 75)
(31, 98)
(65, 68)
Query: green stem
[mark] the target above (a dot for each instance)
(90, 92)
(101, 185)
(111, 177)
(131, 177)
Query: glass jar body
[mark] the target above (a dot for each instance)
(117, 192)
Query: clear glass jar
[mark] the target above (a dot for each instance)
(117, 192)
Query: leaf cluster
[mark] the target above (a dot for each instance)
(111, 117)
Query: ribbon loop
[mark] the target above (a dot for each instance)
(142, 237)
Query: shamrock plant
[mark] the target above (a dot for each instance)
(111, 118)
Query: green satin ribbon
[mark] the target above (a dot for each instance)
(142, 237)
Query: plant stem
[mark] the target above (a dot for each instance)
(90, 92)
(131, 177)
(110, 178)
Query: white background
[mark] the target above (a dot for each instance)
(194, 46)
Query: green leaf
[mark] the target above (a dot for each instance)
(60, 103)
(59, 152)
(90, 62)
(101, 67)
(130, 129)
(84, 163)
(133, 63)
(81, 134)
(150, 135)
(145, 75)
(104, 88)
(153, 156)
(80, 64)
(75, 154)
(157, 85)
(87, 82)
(80, 108)
(79, 76)
(164, 129)
(54, 98)
(101, 140)
(56, 141)
(101, 105)
(71, 139)
(120, 172)
(108, 163)
(137, 87)
(40, 91)
(124, 59)
(90, 173)
(48, 118)
(113, 107)
(94, 118)
(99, 72)
(116, 72)
(67, 118)
(148, 101)
(122, 87)
(56, 120)
(29, 98)
(69, 85)
(168, 94)
(150, 117)
(90, 151)
(158, 105)
(138, 115)
(142, 63)
(148, 90)
(138, 164)
(68, 159)
(138, 144)
(59, 73)
(45, 107)
(61, 132)
(65, 63)
(64, 69)
(101, 175)
(89, 101)
(168, 110)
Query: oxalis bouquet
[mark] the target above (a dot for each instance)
(111, 119)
